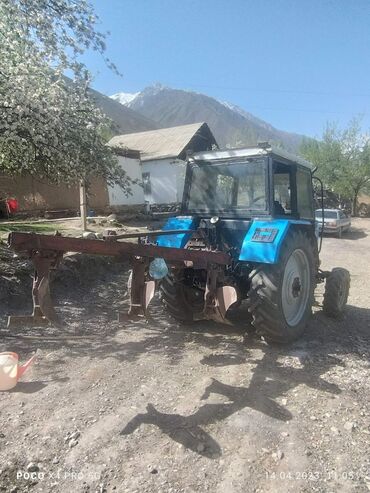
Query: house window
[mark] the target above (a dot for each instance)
(147, 186)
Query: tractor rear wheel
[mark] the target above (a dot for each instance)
(181, 301)
(336, 292)
(282, 294)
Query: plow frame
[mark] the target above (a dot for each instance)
(46, 252)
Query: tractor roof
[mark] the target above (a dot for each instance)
(249, 152)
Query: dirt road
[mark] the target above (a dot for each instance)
(161, 408)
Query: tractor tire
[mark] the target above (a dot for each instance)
(336, 292)
(182, 302)
(281, 295)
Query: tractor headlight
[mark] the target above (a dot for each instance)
(158, 268)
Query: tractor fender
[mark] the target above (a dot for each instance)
(263, 240)
(176, 240)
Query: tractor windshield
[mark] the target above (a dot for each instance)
(228, 187)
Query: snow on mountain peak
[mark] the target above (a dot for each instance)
(124, 97)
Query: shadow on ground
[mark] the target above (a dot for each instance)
(270, 379)
(352, 234)
(92, 332)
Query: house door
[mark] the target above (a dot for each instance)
(147, 187)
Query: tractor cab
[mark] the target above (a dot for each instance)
(251, 182)
(226, 190)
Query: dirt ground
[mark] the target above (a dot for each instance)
(156, 407)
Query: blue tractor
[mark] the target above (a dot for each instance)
(256, 205)
(246, 234)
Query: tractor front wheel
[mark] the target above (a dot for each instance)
(336, 292)
(182, 302)
(281, 295)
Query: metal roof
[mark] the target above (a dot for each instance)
(159, 144)
(254, 151)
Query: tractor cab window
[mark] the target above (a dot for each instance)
(305, 200)
(293, 193)
(283, 177)
(230, 187)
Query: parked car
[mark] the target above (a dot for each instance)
(335, 221)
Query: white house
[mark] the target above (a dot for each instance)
(163, 159)
(130, 162)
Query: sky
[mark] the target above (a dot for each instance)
(295, 63)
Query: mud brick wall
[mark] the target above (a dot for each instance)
(37, 196)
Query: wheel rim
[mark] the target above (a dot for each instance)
(296, 287)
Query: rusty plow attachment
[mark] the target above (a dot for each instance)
(46, 253)
(43, 308)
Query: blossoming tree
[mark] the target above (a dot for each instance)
(49, 125)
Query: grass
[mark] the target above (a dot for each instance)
(29, 227)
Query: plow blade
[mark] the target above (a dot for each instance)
(43, 308)
(217, 299)
(36, 319)
(226, 296)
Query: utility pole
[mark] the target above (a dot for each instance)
(83, 199)
(83, 206)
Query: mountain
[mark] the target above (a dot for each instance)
(126, 119)
(232, 126)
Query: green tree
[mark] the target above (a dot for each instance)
(342, 157)
(49, 125)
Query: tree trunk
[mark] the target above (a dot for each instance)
(83, 205)
(354, 203)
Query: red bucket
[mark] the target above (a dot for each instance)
(12, 205)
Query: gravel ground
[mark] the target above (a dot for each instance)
(155, 407)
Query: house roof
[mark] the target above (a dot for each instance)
(165, 142)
